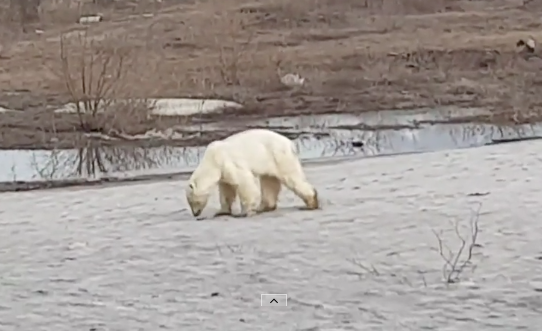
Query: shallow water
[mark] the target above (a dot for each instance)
(377, 118)
(319, 137)
(29, 165)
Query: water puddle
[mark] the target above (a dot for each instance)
(317, 137)
(95, 162)
(396, 132)
(382, 119)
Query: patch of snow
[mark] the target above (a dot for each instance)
(90, 19)
(292, 80)
(168, 134)
(172, 107)
(5, 110)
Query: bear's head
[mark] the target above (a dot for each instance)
(205, 178)
(197, 197)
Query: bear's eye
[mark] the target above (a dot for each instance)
(192, 186)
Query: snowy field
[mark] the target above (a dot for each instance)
(130, 258)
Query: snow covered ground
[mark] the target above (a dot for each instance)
(132, 258)
(173, 106)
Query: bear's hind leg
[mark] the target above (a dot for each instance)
(248, 194)
(270, 188)
(227, 194)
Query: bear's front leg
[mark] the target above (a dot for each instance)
(227, 194)
(248, 194)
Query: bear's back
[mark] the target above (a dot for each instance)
(259, 149)
(264, 137)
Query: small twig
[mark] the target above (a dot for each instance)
(371, 270)
(13, 173)
(422, 276)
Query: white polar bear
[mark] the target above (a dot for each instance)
(237, 162)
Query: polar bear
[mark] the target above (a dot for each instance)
(237, 163)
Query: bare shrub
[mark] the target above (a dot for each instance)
(60, 12)
(231, 49)
(27, 11)
(365, 269)
(8, 38)
(456, 262)
(233, 43)
(96, 76)
(103, 2)
(67, 12)
(235, 58)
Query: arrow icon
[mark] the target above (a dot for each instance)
(274, 300)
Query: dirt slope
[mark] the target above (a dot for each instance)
(356, 56)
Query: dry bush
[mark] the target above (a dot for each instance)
(15, 15)
(57, 13)
(456, 262)
(290, 15)
(232, 50)
(27, 13)
(8, 38)
(225, 57)
(26, 10)
(61, 12)
(227, 32)
(98, 77)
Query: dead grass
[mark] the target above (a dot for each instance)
(355, 55)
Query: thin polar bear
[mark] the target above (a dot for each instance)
(235, 165)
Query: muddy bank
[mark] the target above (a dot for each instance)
(348, 64)
(329, 138)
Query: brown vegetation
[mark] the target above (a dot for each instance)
(355, 55)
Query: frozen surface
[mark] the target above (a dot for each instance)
(132, 258)
(172, 107)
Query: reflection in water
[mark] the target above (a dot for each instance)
(315, 142)
(95, 162)
(424, 139)
(379, 118)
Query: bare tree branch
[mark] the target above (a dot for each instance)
(455, 263)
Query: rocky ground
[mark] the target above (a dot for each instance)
(356, 56)
(133, 258)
